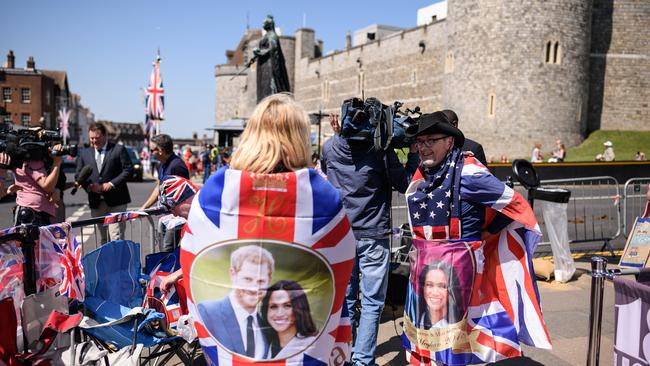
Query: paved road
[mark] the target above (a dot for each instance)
(565, 306)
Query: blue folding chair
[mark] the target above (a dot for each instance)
(115, 291)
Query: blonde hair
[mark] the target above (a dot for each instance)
(252, 254)
(277, 133)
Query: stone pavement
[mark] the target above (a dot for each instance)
(566, 312)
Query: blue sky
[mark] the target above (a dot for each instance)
(107, 47)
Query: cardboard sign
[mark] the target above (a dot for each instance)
(637, 248)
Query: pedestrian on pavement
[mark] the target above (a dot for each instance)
(365, 179)
(162, 148)
(469, 145)
(107, 189)
(205, 162)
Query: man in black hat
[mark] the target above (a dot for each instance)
(469, 145)
(440, 180)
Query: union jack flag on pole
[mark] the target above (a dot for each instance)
(155, 95)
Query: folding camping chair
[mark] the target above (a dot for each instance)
(114, 297)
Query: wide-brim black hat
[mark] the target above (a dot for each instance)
(436, 122)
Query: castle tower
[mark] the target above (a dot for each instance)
(517, 72)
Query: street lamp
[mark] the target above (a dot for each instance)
(317, 118)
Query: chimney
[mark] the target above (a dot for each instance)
(348, 40)
(11, 60)
(31, 64)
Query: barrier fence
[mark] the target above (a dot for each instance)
(635, 191)
(599, 210)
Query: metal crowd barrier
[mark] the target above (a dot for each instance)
(28, 235)
(594, 210)
(634, 191)
(133, 226)
(599, 273)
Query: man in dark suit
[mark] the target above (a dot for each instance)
(469, 145)
(107, 190)
(234, 320)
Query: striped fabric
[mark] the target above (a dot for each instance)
(504, 310)
(297, 212)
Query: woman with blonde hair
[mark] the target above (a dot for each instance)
(269, 197)
(276, 138)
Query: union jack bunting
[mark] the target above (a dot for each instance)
(504, 310)
(115, 217)
(59, 261)
(289, 233)
(155, 94)
(11, 271)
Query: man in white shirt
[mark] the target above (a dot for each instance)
(234, 320)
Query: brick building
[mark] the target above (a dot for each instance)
(516, 73)
(29, 94)
(130, 134)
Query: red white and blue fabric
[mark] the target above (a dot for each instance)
(115, 217)
(504, 309)
(155, 94)
(170, 298)
(314, 217)
(59, 261)
(11, 271)
(174, 190)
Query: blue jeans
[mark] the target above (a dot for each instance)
(371, 262)
(206, 172)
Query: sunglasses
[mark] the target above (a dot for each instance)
(429, 142)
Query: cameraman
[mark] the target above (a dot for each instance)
(35, 190)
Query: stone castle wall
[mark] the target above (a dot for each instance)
(620, 65)
(487, 60)
(502, 87)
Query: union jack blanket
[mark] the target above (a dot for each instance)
(503, 309)
(252, 239)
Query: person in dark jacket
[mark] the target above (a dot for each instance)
(469, 145)
(107, 190)
(365, 179)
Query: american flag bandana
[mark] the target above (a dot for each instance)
(435, 203)
(504, 309)
(174, 190)
(294, 226)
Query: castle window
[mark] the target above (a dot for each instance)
(553, 52)
(557, 53)
(449, 62)
(6, 95)
(370, 36)
(325, 90)
(361, 81)
(25, 119)
(492, 105)
(25, 95)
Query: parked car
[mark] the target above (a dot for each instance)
(137, 165)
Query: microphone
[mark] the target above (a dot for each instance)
(82, 177)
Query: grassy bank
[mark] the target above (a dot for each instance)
(626, 145)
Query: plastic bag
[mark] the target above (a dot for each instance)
(555, 217)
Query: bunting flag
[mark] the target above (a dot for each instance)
(267, 255)
(11, 271)
(115, 217)
(504, 309)
(155, 94)
(64, 116)
(59, 261)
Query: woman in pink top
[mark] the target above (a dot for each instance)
(35, 190)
